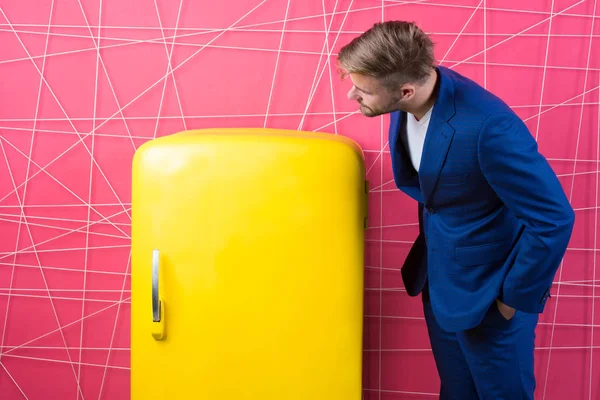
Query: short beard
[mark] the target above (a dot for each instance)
(375, 112)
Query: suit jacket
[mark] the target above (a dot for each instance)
(494, 221)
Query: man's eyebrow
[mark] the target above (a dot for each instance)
(362, 90)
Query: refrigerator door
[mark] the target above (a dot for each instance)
(247, 266)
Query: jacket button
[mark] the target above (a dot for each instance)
(431, 210)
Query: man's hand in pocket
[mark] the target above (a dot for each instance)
(506, 311)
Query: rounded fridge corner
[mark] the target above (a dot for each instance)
(196, 135)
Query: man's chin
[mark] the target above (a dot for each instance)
(367, 112)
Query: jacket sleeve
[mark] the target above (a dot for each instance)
(529, 188)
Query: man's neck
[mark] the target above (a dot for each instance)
(427, 97)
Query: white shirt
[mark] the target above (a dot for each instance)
(415, 135)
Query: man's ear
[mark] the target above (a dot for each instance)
(407, 92)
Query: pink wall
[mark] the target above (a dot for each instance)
(67, 139)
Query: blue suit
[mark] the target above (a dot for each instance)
(494, 221)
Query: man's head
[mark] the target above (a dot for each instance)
(388, 65)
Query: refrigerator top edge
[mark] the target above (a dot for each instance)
(216, 134)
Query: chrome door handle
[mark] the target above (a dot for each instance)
(155, 301)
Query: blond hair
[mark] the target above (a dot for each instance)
(394, 52)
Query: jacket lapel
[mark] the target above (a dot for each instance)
(439, 135)
(404, 174)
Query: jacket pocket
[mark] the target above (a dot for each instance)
(452, 180)
(487, 253)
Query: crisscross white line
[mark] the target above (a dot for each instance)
(112, 337)
(169, 67)
(99, 60)
(517, 34)
(324, 52)
(329, 50)
(56, 297)
(60, 328)
(13, 380)
(561, 268)
(50, 268)
(22, 218)
(285, 20)
(461, 32)
(59, 228)
(62, 109)
(391, 4)
(91, 181)
(53, 360)
(39, 265)
(27, 179)
(129, 42)
(172, 70)
(537, 129)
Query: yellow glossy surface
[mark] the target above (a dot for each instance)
(261, 240)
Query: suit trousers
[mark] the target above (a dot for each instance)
(492, 361)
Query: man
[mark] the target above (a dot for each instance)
(494, 221)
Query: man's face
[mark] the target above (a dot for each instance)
(373, 98)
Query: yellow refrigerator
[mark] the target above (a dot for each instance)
(247, 266)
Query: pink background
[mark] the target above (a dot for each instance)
(86, 82)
